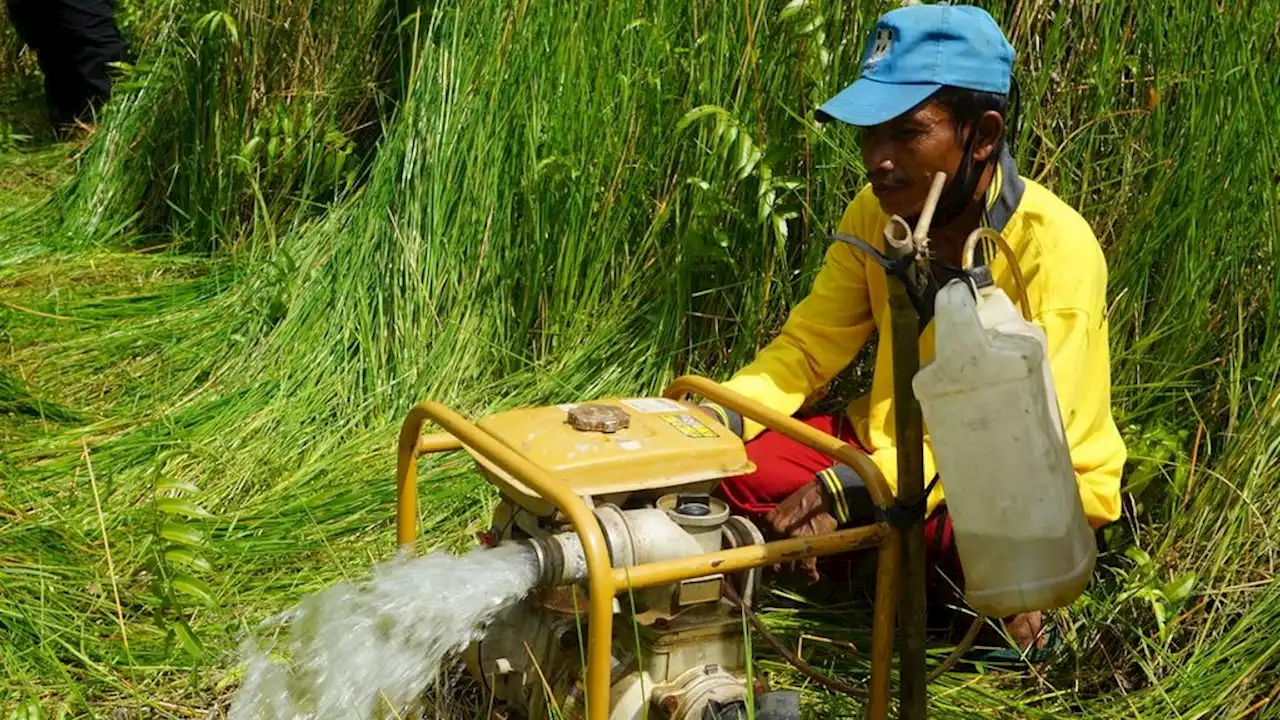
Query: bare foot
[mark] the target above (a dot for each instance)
(1026, 629)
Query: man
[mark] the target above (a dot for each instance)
(931, 98)
(75, 42)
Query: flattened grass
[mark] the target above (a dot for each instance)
(531, 222)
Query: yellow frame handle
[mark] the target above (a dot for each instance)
(813, 438)
(604, 581)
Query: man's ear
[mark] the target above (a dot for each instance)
(990, 129)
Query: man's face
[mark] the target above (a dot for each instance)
(903, 154)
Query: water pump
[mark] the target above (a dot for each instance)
(643, 573)
(647, 466)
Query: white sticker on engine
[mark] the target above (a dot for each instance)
(653, 405)
(629, 445)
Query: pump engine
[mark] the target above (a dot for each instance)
(646, 467)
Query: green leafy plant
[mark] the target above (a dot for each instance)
(279, 143)
(179, 558)
(740, 158)
(1165, 598)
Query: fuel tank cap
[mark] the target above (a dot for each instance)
(593, 417)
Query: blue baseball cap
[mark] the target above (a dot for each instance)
(915, 50)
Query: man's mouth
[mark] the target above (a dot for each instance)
(887, 188)
(885, 183)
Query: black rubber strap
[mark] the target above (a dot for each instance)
(900, 514)
(897, 268)
(921, 298)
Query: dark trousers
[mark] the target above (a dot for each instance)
(74, 42)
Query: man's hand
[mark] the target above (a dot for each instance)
(805, 513)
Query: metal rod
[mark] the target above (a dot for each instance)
(904, 326)
(666, 572)
(890, 557)
(888, 571)
(600, 587)
(891, 553)
(910, 492)
(407, 481)
(909, 439)
(437, 443)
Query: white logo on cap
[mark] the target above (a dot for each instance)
(880, 50)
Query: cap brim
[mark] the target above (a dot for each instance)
(868, 102)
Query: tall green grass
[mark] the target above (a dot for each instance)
(240, 113)
(493, 204)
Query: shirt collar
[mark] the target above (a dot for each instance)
(1003, 196)
(1004, 193)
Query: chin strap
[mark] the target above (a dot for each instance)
(959, 190)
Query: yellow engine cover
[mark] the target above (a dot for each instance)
(666, 444)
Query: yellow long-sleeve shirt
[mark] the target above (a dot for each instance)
(1066, 279)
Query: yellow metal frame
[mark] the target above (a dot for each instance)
(605, 581)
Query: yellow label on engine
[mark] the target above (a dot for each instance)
(689, 426)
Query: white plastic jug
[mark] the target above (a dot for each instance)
(992, 415)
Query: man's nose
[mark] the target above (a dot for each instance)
(879, 158)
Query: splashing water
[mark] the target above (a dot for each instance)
(355, 649)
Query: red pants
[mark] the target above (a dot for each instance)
(784, 465)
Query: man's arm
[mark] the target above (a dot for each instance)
(1080, 363)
